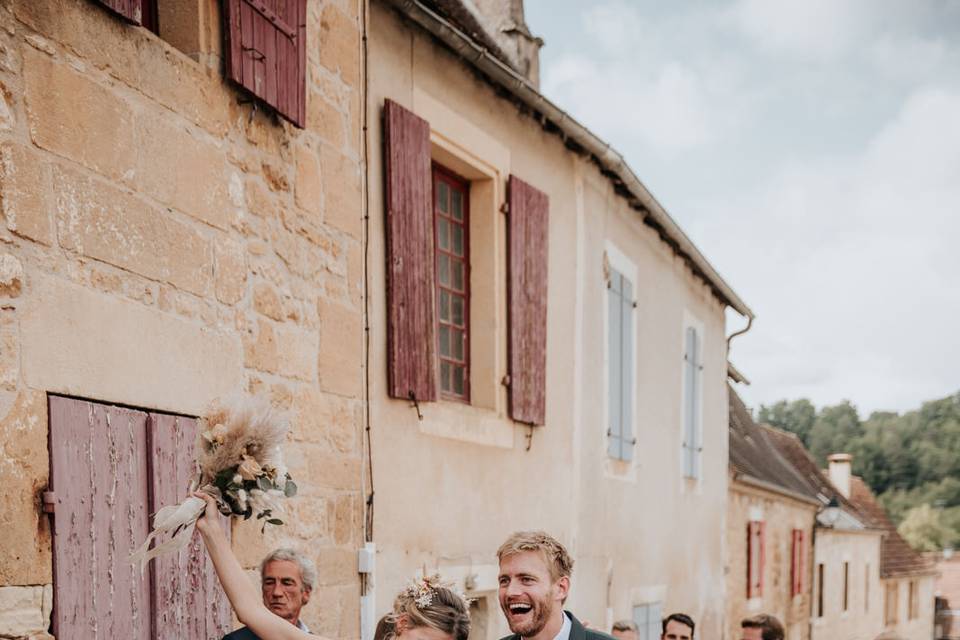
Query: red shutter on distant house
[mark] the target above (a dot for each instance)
(527, 301)
(188, 602)
(267, 52)
(132, 10)
(411, 330)
(797, 562)
(756, 557)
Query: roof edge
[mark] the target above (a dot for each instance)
(609, 160)
(756, 483)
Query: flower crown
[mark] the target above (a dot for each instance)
(422, 591)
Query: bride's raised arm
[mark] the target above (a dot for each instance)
(243, 596)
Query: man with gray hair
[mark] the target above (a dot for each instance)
(625, 630)
(286, 581)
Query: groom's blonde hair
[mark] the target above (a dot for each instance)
(555, 554)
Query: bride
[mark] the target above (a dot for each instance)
(426, 610)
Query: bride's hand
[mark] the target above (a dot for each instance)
(209, 522)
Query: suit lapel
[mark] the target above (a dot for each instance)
(577, 632)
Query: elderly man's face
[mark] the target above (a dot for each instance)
(626, 634)
(283, 591)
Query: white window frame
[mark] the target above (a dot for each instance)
(617, 259)
(692, 322)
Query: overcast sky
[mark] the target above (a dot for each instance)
(811, 149)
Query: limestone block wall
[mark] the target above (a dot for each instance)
(164, 241)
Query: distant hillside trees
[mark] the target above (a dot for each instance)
(910, 460)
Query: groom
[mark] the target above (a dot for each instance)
(534, 583)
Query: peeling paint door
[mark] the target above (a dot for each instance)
(98, 475)
(111, 468)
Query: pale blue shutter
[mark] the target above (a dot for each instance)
(695, 430)
(626, 370)
(615, 383)
(640, 613)
(689, 419)
(654, 620)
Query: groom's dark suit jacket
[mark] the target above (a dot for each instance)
(577, 631)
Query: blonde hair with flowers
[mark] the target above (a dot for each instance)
(429, 602)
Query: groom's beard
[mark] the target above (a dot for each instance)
(531, 623)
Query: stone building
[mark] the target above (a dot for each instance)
(547, 348)
(947, 623)
(771, 512)
(181, 219)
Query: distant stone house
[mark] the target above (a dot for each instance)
(846, 593)
(181, 220)
(771, 512)
(547, 348)
(907, 578)
(947, 623)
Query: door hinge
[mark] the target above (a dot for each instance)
(49, 501)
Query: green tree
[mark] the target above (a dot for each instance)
(923, 528)
(835, 431)
(796, 417)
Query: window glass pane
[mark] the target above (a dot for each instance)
(457, 205)
(443, 195)
(457, 318)
(443, 269)
(445, 376)
(457, 272)
(456, 343)
(444, 306)
(444, 340)
(457, 247)
(457, 380)
(443, 233)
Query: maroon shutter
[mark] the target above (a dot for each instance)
(527, 303)
(98, 475)
(132, 10)
(411, 330)
(188, 602)
(267, 52)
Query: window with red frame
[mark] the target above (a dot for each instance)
(797, 562)
(452, 249)
(755, 558)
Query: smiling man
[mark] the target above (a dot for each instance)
(286, 581)
(534, 582)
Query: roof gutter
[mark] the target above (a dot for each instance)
(576, 135)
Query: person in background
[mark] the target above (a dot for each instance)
(625, 630)
(762, 626)
(286, 582)
(677, 626)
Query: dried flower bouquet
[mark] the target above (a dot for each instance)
(240, 463)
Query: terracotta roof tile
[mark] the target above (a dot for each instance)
(897, 558)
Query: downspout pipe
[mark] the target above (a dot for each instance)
(576, 136)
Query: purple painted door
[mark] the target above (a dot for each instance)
(111, 468)
(98, 474)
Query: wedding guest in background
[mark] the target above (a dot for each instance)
(624, 630)
(286, 582)
(677, 626)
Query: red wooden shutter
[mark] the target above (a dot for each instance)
(527, 231)
(188, 602)
(267, 52)
(98, 475)
(132, 10)
(411, 331)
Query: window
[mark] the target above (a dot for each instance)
(820, 586)
(649, 620)
(620, 308)
(846, 586)
(110, 468)
(797, 562)
(755, 558)
(891, 603)
(451, 246)
(692, 393)
(914, 600)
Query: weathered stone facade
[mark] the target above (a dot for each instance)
(164, 242)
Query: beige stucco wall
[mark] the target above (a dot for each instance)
(162, 244)
(781, 515)
(919, 627)
(451, 487)
(863, 619)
